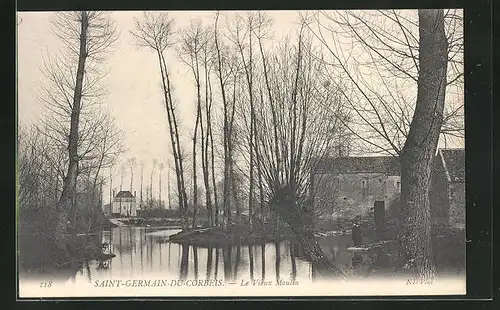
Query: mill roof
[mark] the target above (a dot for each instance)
(124, 194)
(370, 164)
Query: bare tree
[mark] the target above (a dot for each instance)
(40, 168)
(298, 111)
(142, 180)
(161, 167)
(155, 163)
(398, 95)
(420, 146)
(110, 170)
(132, 163)
(73, 81)
(122, 175)
(107, 147)
(208, 162)
(227, 71)
(375, 60)
(41, 183)
(154, 31)
(241, 36)
(192, 43)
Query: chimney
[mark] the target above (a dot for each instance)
(114, 193)
(134, 194)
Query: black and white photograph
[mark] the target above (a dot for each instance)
(240, 153)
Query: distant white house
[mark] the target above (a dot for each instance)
(124, 204)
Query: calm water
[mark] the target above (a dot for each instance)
(139, 254)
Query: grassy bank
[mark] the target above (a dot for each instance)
(141, 222)
(36, 240)
(233, 235)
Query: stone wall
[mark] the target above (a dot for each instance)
(125, 206)
(438, 192)
(457, 205)
(348, 195)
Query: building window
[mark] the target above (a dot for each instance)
(364, 183)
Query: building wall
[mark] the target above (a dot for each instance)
(457, 205)
(125, 206)
(325, 193)
(438, 192)
(348, 195)
(107, 209)
(393, 187)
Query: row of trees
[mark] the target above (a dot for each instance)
(243, 90)
(146, 190)
(286, 106)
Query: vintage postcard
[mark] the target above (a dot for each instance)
(240, 153)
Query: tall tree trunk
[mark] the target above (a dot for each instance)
(198, 123)
(225, 194)
(110, 192)
(249, 75)
(234, 200)
(205, 146)
(214, 184)
(419, 149)
(174, 137)
(69, 183)
(142, 180)
(159, 190)
(195, 179)
(131, 179)
(151, 189)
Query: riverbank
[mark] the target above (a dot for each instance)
(151, 222)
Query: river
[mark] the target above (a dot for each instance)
(142, 257)
(140, 254)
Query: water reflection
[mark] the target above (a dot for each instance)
(140, 254)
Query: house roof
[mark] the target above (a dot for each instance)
(124, 194)
(370, 164)
(454, 164)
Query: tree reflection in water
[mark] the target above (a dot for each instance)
(216, 263)
(89, 274)
(209, 262)
(195, 258)
(169, 245)
(263, 259)
(278, 260)
(294, 264)
(184, 262)
(237, 263)
(250, 254)
(226, 254)
(148, 257)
